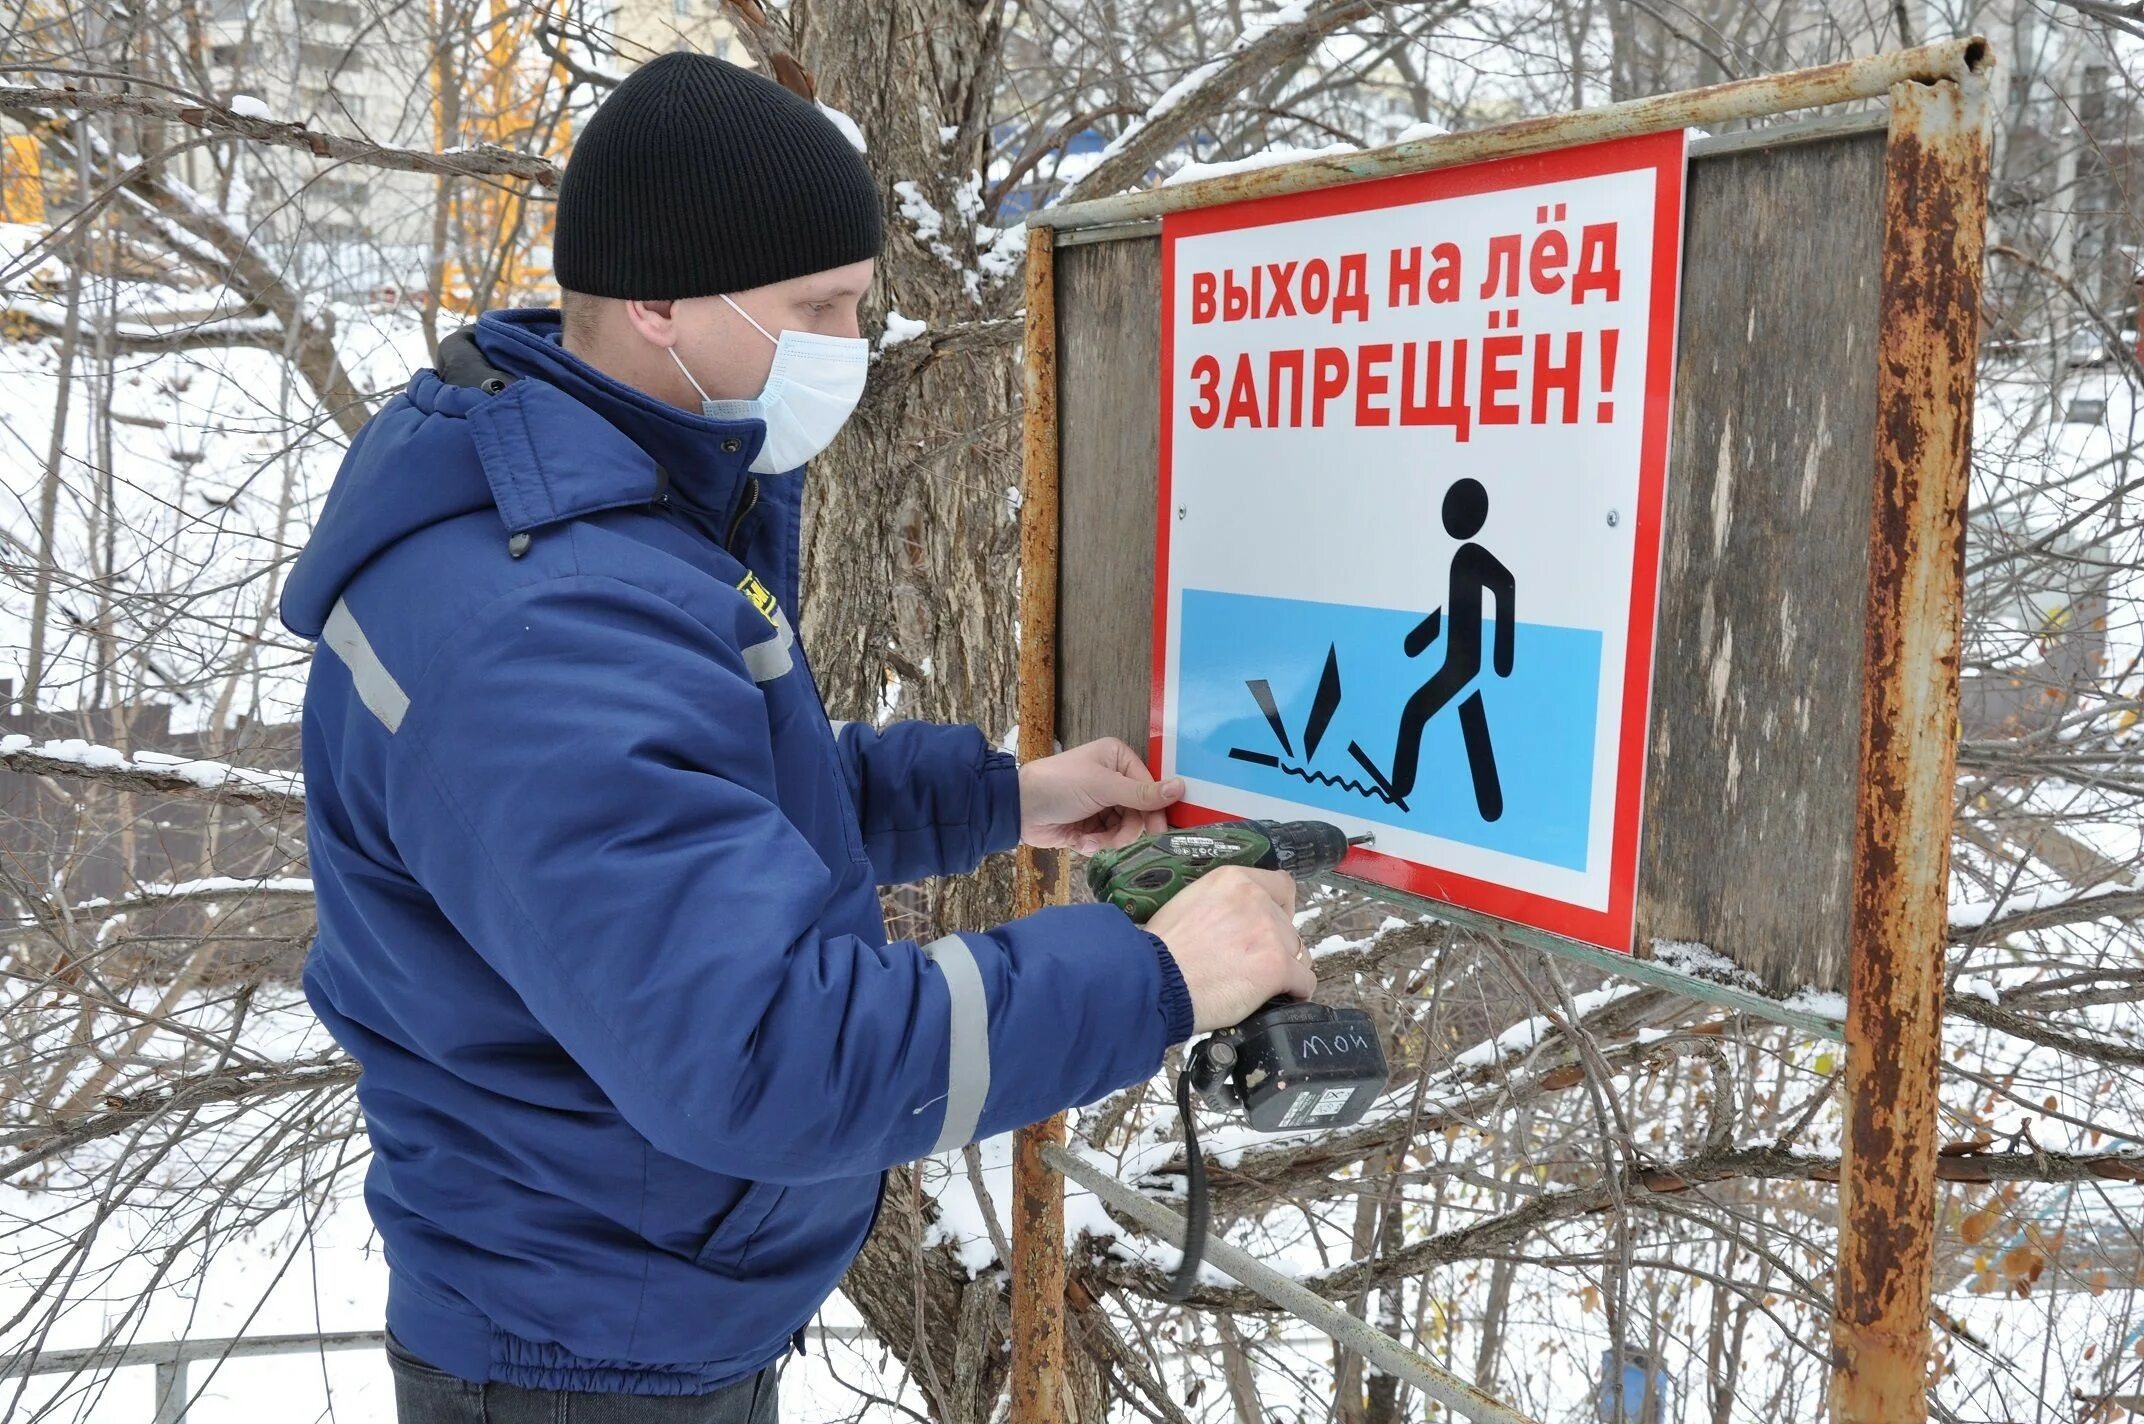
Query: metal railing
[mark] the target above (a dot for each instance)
(172, 1358)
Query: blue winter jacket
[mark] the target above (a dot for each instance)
(597, 892)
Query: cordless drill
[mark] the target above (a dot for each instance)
(1292, 1065)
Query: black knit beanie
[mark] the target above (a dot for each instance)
(696, 177)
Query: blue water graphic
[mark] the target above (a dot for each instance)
(1540, 719)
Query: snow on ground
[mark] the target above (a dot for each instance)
(218, 470)
(2052, 462)
(317, 1268)
(282, 1283)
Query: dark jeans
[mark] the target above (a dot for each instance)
(424, 1395)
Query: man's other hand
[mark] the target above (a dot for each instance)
(1093, 797)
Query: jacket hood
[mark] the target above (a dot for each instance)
(560, 440)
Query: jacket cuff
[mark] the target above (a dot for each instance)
(1001, 801)
(1175, 995)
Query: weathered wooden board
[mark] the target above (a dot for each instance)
(1749, 800)
(1756, 725)
(1109, 475)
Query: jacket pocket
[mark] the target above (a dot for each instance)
(851, 822)
(808, 722)
(730, 1247)
(800, 1233)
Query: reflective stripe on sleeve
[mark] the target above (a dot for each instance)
(967, 1067)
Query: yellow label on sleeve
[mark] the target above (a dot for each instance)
(762, 600)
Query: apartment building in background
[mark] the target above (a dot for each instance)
(440, 75)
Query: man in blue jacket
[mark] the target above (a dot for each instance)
(597, 879)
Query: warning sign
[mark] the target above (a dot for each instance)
(1413, 445)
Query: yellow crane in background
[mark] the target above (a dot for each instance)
(495, 242)
(22, 187)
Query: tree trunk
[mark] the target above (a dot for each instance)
(911, 545)
(1382, 1398)
(910, 537)
(48, 499)
(950, 1332)
(1349, 1405)
(911, 526)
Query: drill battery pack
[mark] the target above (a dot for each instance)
(1294, 1067)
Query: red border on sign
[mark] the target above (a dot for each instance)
(1610, 928)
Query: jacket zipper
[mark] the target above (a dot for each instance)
(751, 498)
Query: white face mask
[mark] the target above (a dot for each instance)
(811, 391)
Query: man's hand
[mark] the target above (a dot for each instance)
(1091, 798)
(1232, 935)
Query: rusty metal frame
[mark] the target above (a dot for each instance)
(1935, 220)
(1870, 77)
(1038, 1225)
(1935, 207)
(1714, 991)
(1078, 232)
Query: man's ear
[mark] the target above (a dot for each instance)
(654, 320)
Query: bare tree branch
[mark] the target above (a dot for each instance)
(237, 1084)
(1261, 50)
(2018, 1025)
(480, 161)
(1507, 1232)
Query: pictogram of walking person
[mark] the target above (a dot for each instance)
(1475, 571)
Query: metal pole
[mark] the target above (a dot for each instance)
(171, 1392)
(1935, 214)
(1038, 1223)
(1869, 77)
(1297, 1299)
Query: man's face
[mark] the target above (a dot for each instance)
(720, 347)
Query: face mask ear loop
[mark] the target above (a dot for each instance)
(704, 399)
(748, 317)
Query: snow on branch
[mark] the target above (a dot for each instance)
(912, 346)
(194, 230)
(274, 792)
(1266, 44)
(214, 889)
(151, 338)
(1990, 921)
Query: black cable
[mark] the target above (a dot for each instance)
(1195, 1211)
